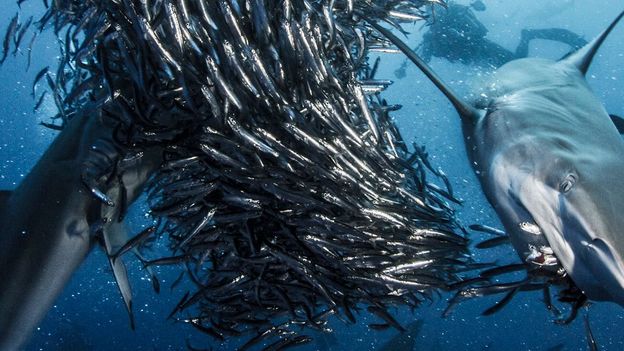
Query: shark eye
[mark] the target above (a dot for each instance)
(568, 183)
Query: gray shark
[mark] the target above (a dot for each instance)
(551, 162)
(50, 222)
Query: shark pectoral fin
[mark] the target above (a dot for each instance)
(114, 236)
(618, 122)
(121, 276)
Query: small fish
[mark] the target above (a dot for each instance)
(206, 330)
(193, 348)
(405, 16)
(38, 77)
(20, 34)
(86, 86)
(134, 242)
(287, 343)
(198, 228)
(29, 49)
(175, 24)
(502, 303)
(39, 101)
(496, 271)
(51, 126)
(166, 261)
(487, 229)
(179, 305)
(383, 326)
(222, 83)
(558, 347)
(493, 242)
(155, 283)
(177, 281)
(158, 44)
(384, 49)
(262, 335)
(10, 32)
(383, 314)
(591, 341)
(260, 21)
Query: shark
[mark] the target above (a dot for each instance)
(72, 200)
(550, 160)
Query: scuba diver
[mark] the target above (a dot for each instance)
(457, 35)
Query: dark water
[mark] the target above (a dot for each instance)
(89, 315)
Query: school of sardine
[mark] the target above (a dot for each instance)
(287, 193)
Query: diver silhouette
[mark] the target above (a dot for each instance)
(456, 35)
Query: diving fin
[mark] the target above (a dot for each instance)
(4, 197)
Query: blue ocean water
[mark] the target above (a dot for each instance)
(89, 315)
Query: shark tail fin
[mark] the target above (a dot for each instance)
(582, 58)
(468, 113)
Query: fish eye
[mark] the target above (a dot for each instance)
(568, 183)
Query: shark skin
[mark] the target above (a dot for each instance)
(51, 221)
(551, 162)
(554, 174)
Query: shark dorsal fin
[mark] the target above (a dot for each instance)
(468, 113)
(582, 58)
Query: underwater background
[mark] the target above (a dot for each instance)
(90, 315)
